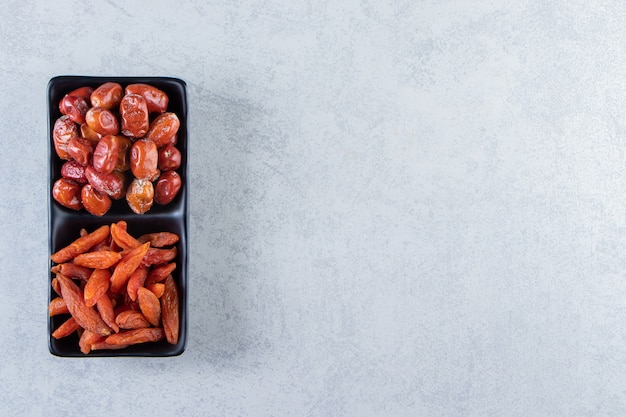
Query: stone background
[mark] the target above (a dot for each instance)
(398, 208)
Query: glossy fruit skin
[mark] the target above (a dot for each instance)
(140, 195)
(144, 159)
(82, 92)
(169, 158)
(163, 129)
(156, 99)
(89, 133)
(105, 182)
(67, 193)
(102, 121)
(123, 154)
(75, 107)
(134, 116)
(105, 154)
(94, 201)
(167, 187)
(107, 95)
(80, 149)
(75, 171)
(63, 131)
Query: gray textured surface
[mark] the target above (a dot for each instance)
(409, 208)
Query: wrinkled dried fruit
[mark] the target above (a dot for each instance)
(87, 317)
(158, 288)
(102, 121)
(105, 154)
(107, 95)
(103, 128)
(67, 193)
(160, 239)
(98, 260)
(163, 129)
(121, 236)
(123, 154)
(105, 308)
(131, 319)
(156, 100)
(74, 171)
(158, 256)
(140, 195)
(57, 306)
(159, 273)
(149, 305)
(63, 131)
(80, 245)
(169, 158)
(82, 92)
(80, 149)
(87, 339)
(169, 311)
(134, 116)
(167, 187)
(97, 285)
(71, 270)
(135, 336)
(88, 133)
(102, 302)
(68, 327)
(94, 201)
(144, 159)
(136, 280)
(126, 266)
(75, 107)
(107, 183)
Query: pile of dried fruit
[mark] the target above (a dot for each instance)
(117, 143)
(118, 289)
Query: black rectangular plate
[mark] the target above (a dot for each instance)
(64, 225)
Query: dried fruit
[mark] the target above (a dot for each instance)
(105, 154)
(163, 129)
(134, 115)
(107, 95)
(94, 201)
(140, 196)
(131, 319)
(159, 240)
(85, 316)
(113, 130)
(97, 285)
(105, 308)
(149, 305)
(81, 245)
(169, 311)
(102, 121)
(68, 327)
(67, 193)
(156, 100)
(126, 266)
(63, 131)
(57, 306)
(167, 187)
(75, 107)
(144, 159)
(169, 157)
(133, 337)
(118, 309)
